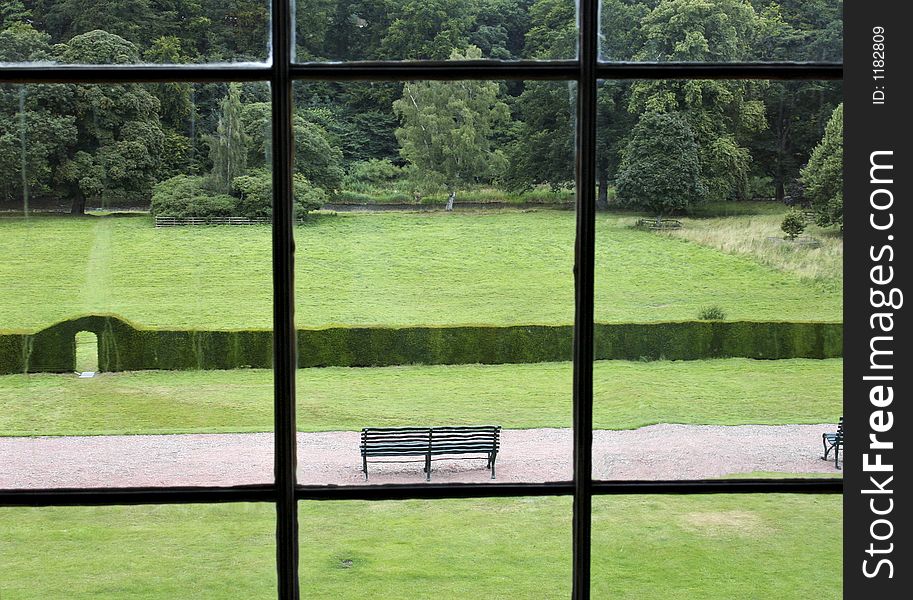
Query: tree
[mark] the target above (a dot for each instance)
(660, 170)
(317, 155)
(793, 224)
(119, 141)
(447, 129)
(721, 114)
(228, 146)
(32, 132)
(427, 29)
(823, 177)
(542, 151)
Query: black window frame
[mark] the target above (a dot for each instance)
(586, 70)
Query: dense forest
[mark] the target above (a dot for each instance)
(114, 145)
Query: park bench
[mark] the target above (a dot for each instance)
(833, 441)
(430, 443)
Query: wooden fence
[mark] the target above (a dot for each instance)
(179, 221)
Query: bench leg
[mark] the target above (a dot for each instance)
(365, 466)
(827, 450)
(428, 468)
(836, 456)
(494, 456)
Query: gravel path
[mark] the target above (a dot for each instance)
(529, 455)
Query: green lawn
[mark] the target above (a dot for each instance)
(663, 547)
(627, 395)
(389, 269)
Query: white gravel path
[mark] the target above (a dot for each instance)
(528, 455)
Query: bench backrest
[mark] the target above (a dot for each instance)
(463, 440)
(411, 441)
(840, 430)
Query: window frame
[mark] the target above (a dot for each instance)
(281, 73)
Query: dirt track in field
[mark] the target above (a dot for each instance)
(528, 455)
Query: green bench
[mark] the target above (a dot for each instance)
(431, 443)
(833, 441)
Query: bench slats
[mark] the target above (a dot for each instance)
(430, 441)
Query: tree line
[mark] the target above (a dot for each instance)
(111, 144)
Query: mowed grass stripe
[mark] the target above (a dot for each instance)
(390, 269)
(627, 395)
(710, 547)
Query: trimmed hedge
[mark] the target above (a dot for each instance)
(123, 346)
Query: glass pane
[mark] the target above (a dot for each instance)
(341, 30)
(435, 287)
(717, 546)
(718, 332)
(488, 548)
(206, 551)
(137, 272)
(125, 32)
(721, 30)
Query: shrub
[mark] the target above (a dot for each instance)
(711, 313)
(189, 196)
(793, 224)
(255, 195)
(374, 171)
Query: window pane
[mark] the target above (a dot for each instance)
(413, 313)
(717, 546)
(721, 31)
(489, 548)
(125, 32)
(718, 336)
(137, 285)
(341, 30)
(206, 551)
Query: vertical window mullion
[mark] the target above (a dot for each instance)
(583, 314)
(284, 335)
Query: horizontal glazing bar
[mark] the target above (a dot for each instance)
(401, 71)
(719, 71)
(133, 73)
(439, 70)
(266, 493)
(133, 496)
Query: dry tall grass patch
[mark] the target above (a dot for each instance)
(749, 236)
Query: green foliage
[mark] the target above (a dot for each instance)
(447, 128)
(191, 196)
(375, 171)
(722, 114)
(256, 199)
(427, 29)
(318, 157)
(660, 170)
(120, 139)
(793, 224)
(228, 146)
(823, 176)
(543, 149)
(711, 313)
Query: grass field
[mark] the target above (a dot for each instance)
(388, 269)
(627, 395)
(663, 547)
